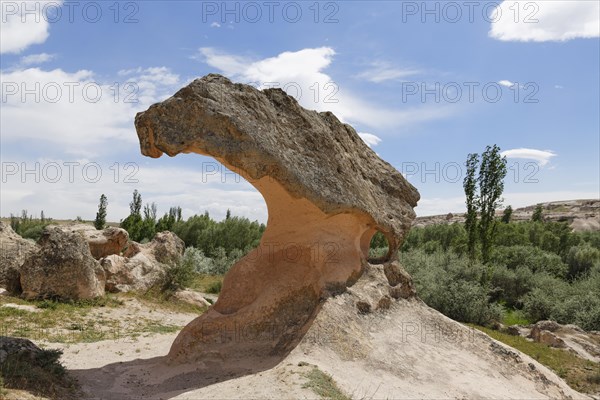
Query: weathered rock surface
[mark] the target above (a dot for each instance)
(547, 337)
(10, 346)
(326, 191)
(14, 251)
(102, 243)
(63, 267)
(144, 264)
(568, 337)
(191, 297)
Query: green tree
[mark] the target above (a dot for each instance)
(470, 187)
(100, 221)
(491, 185)
(133, 223)
(537, 213)
(507, 215)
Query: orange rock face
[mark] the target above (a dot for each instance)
(327, 193)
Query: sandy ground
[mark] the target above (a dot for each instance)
(406, 352)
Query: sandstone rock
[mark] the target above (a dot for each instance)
(14, 251)
(512, 330)
(144, 264)
(384, 303)
(102, 243)
(363, 307)
(166, 247)
(17, 346)
(327, 193)
(543, 336)
(401, 283)
(191, 297)
(551, 326)
(62, 268)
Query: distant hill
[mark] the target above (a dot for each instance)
(581, 215)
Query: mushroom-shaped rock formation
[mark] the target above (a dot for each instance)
(326, 192)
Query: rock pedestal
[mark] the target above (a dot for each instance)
(326, 192)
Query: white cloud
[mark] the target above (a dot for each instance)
(215, 25)
(541, 21)
(542, 157)
(382, 71)
(74, 112)
(506, 83)
(33, 59)
(194, 190)
(558, 87)
(24, 24)
(370, 139)
(301, 74)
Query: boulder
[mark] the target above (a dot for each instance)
(166, 247)
(139, 272)
(144, 264)
(327, 193)
(551, 326)
(63, 268)
(191, 297)
(543, 336)
(11, 346)
(103, 242)
(14, 251)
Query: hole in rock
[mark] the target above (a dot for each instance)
(378, 248)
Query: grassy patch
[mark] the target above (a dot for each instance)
(514, 317)
(155, 327)
(582, 375)
(155, 297)
(86, 321)
(43, 375)
(207, 283)
(323, 385)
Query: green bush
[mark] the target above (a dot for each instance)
(179, 275)
(452, 285)
(581, 259)
(510, 285)
(215, 287)
(533, 258)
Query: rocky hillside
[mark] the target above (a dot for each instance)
(581, 215)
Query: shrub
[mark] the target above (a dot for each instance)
(180, 274)
(452, 285)
(215, 287)
(535, 259)
(581, 259)
(511, 285)
(538, 305)
(42, 374)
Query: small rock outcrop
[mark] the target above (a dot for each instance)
(144, 264)
(63, 268)
(103, 242)
(191, 297)
(14, 251)
(10, 346)
(326, 191)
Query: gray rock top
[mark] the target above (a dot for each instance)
(267, 133)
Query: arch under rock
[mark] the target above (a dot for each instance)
(326, 192)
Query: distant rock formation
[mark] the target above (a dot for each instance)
(326, 191)
(581, 215)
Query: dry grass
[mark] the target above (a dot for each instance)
(582, 375)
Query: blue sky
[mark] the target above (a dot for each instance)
(419, 80)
